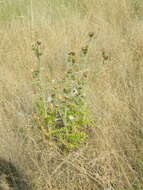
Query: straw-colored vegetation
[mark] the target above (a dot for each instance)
(71, 92)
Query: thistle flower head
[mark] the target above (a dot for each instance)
(91, 34)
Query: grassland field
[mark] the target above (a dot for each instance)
(111, 158)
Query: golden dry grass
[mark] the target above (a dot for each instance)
(113, 156)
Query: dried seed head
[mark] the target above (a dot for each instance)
(104, 55)
(39, 42)
(85, 49)
(72, 53)
(72, 57)
(91, 34)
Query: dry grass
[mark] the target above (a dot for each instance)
(113, 156)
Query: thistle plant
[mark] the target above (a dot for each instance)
(37, 80)
(62, 113)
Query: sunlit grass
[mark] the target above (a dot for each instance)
(113, 155)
